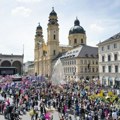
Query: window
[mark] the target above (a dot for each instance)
(64, 70)
(88, 66)
(115, 57)
(81, 40)
(74, 61)
(75, 69)
(89, 62)
(109, 68)
(75, 41)
(54, 37)
(44, 53)
(115, 45)
(67, 70)
(102, 48)
(96, 69)
(103, 69)
(108, 47)
(103, 58)
(109, 58)
(85, 62)
(54, 52)
(93, 70)
(85, 69)
(116, 69)
(72, 69)
(81, 61)
(81, 70)
(110, 83)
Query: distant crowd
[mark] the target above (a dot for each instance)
(81, 100)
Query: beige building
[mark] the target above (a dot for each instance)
(28, 68)
(31, 69)
(11, 64)
(46, 54)
(109, 61)
(81, 62)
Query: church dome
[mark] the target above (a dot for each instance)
(53, 13)
(76, 28)
(39, 27)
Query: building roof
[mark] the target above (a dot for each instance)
(88, 51)
(81, 51)
(113, 38)
(76, 28)
(53, 13)
(58, 56)
(10, 55)
(39, 27)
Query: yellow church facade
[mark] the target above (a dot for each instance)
(46, 54)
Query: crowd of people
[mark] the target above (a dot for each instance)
(81, 100)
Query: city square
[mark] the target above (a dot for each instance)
(65, 68)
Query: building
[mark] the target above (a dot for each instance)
(81, 62)
(28, 67)
(11, 64)
(46, 54)
(109, 61)
(31, 69)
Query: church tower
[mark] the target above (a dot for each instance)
(53, 38)
(38, 49)
(77, 34)
(53, 35)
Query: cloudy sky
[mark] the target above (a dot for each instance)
(19, 19)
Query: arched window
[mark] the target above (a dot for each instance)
(109, 57)
(115, 56)
(81, 40)
(54, 37)
(54, 52)
(75, 41)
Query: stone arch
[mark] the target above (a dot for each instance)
(6, 63)
(18, 66)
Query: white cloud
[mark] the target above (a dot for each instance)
(21, 11)
(29, 1)
(96, 28)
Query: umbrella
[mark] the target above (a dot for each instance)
(47, 115)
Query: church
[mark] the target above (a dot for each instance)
(46, 54)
